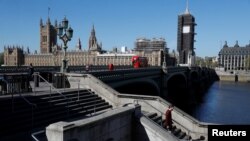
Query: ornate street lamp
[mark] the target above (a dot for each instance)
(65, 34)
(164, 63)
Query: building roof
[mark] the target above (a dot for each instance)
(235, 50)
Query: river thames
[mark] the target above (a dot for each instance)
(225, 103)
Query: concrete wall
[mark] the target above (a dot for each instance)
(90, 82)
(155, 104)
(244, 78)
(114, 125)
(227, 78)
(182, 120)
(153, 132)
(235, 78)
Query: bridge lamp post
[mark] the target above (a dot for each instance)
(65, 33)
(164, 63)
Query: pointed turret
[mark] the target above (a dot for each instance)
(236, 44)
(55, 23)
(92, 38)
(41, 22)
(187, 9)
(93, 31)
(79, 45)
(48, 20)
(100, 44)
(93, 44)
(28, 50)
(225, 45)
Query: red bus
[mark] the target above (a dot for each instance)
(139, 62)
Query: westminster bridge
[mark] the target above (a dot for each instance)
(179, 85)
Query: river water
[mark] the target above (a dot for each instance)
(225, 103)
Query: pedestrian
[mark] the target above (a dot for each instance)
(168, 118)
(87, 68)
(31, 71)
(111, 67)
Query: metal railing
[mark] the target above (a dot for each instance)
(14, 82)
(83, 107)
(32, 108)
(26, 101)
(77, 101)
(57, 91)
(14, 69)
(33, 135)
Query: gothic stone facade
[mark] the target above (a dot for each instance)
(51, 54)
(13, 56)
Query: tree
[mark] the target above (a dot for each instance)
(1, 58)
(215, 64)
(200, 62)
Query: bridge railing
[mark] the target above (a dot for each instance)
(13, 69)
(96, 68)
(177, 69)
(23, 69)
(14, 83)
(108, 76)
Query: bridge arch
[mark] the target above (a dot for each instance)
(203, 73)
(177, 89)
(194, 76)
(138, 86)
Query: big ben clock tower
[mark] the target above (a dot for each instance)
(185, 36)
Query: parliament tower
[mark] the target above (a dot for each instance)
(48, 36)
(185, 36)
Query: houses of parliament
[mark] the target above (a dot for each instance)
(51, 53)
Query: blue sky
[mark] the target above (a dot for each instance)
(119, 22)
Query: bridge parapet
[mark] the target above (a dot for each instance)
(177, 69)
(14, 83)
(15, 69)
(195, 69)
(126, 74)
(23, 69)
(96, 68)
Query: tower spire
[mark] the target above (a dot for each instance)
(48, 11)
(93, 30)
(48, 21)
(187, 8)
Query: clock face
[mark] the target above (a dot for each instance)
(186, 29)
